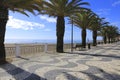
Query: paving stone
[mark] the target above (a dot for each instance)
(108, 54)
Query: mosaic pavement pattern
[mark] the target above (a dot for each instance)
(99, 63)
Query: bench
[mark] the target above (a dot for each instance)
(78, 46)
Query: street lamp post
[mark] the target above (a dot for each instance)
(72, 37)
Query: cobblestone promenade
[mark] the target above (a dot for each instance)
(99, 63)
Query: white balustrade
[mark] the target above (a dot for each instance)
(17, 50)
(45, 48)
(26, 49)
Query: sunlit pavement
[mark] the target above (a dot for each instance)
(99, 63)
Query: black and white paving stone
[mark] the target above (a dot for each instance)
(99, 63)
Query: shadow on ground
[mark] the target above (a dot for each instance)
(92, 76)
(97, 55)
(104, 75)
(19, 74)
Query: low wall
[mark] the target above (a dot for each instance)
(26, 49)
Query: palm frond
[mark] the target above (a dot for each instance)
(62, 7)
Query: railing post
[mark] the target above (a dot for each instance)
(17, 50)
(45, 48)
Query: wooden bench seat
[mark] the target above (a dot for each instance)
(78, 46)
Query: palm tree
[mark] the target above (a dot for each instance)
(112, 32)
(61, 9)
(14, 5)
(103, 33)
(95, 27)
(83, 21)
(103, 29)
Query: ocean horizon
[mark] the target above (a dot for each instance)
(49, 41)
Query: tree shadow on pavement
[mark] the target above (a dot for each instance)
(97, 55)
(104, 75)
(18, 73)
(92, 76)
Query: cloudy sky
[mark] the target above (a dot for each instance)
(44, 27)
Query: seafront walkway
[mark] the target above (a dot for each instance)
(99, 63)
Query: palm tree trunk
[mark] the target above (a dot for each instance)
(105, 39)
(3, 21)
(84, 38)
(109, 40)
(94, 38)
(60, 33)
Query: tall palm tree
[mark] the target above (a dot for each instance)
(112, 32)
(103, 29)
(103, 32)
(109, 33)
(95, 27)
(14, 5)
(83, 21)
(61, 9)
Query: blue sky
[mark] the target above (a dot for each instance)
(43, 27)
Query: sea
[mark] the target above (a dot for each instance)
(49, 41)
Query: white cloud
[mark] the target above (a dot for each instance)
(116, 23)
(47, 29)
(116, 3)
(103, 11)
(49, 19)
(22, 24)
(107, 19)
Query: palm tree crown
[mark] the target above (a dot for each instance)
(21, 5)
(62, 7)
